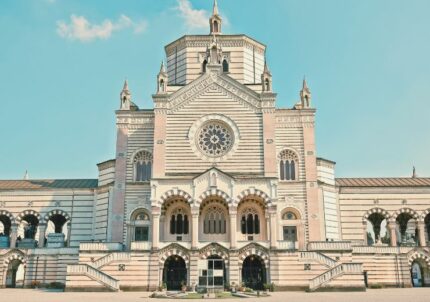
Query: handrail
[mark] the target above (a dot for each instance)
(85, 269)
(334, 272)
(319, 257)
(329, 245)
(110, 258)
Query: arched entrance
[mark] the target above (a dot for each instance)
(419, 273)
(174, 272)
(5, 227)
(254, 272)
(15, 274)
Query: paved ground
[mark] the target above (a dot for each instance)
(378, 295)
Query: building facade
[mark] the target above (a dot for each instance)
(215, 186)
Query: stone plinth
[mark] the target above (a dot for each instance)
(55, 240)
(4, 242)
(27, 243)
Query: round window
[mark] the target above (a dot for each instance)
(215, 139)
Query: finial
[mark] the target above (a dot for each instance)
(125, 88)
(305, 84)
(414, 172)
(162, 67)
(215, 8)
(26, 175)
(266, 68)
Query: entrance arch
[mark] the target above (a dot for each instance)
(254, 272)
(174, 272)
(15, 274)
(420, 273)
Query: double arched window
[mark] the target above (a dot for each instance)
(142, 166)
(214, 222)
(288, 164)
(179, 223)
(250, 222)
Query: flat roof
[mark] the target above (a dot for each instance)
(384, 182)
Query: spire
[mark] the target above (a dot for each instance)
(215, 20)
(125, 88)
(266, 78)
(125, 97)
(266, 68)
(26, 175)
(162, 67)
(305, 95)
(414, 172)
(215, 8)
(162, 79)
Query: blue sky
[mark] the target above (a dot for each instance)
(63, 63)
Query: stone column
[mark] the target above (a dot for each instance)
(393, 234)
(13, 235)
(233, 227)
(42, 229)
(155, 227)
(195, 228)
(421, 233)
(365, 232)
(273, 228)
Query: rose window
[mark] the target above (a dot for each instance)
(215, 139)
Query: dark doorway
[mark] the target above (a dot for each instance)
(174, 273)
(254, 272)
(13, 279)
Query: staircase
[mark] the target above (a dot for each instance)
(318, 257)
(110, 258)
(334, 272)
(93, 269)
(93, 273)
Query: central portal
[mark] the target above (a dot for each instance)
(174, 273)
(254, 272)
(212, 274)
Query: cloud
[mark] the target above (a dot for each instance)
(81, 29)
(194, 18)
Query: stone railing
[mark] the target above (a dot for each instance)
(381, 249)
(329, 246)
(100, 246)
(287, 245)
(320, 258)
(345, 268)
(110, 258)
(93, 273)
(141, 245)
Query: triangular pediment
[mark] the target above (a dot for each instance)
(212, 81)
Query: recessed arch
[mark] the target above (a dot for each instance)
(409, 211)
(27, 213)
(295, 211)
(378, 211)
(176, 193)
(8, 215)
(14, 255)
(57, 212)
(214, 192)
(252, 192)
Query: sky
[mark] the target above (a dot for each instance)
(63, 64)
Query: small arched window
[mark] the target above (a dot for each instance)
(215, 26)
(179, 223)
(250, 222)
(205, 62)
(142, 166)
(267, 84)
(224, 65)
(287, 165)
(162, 86)
(289, 216)
(214, 222)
